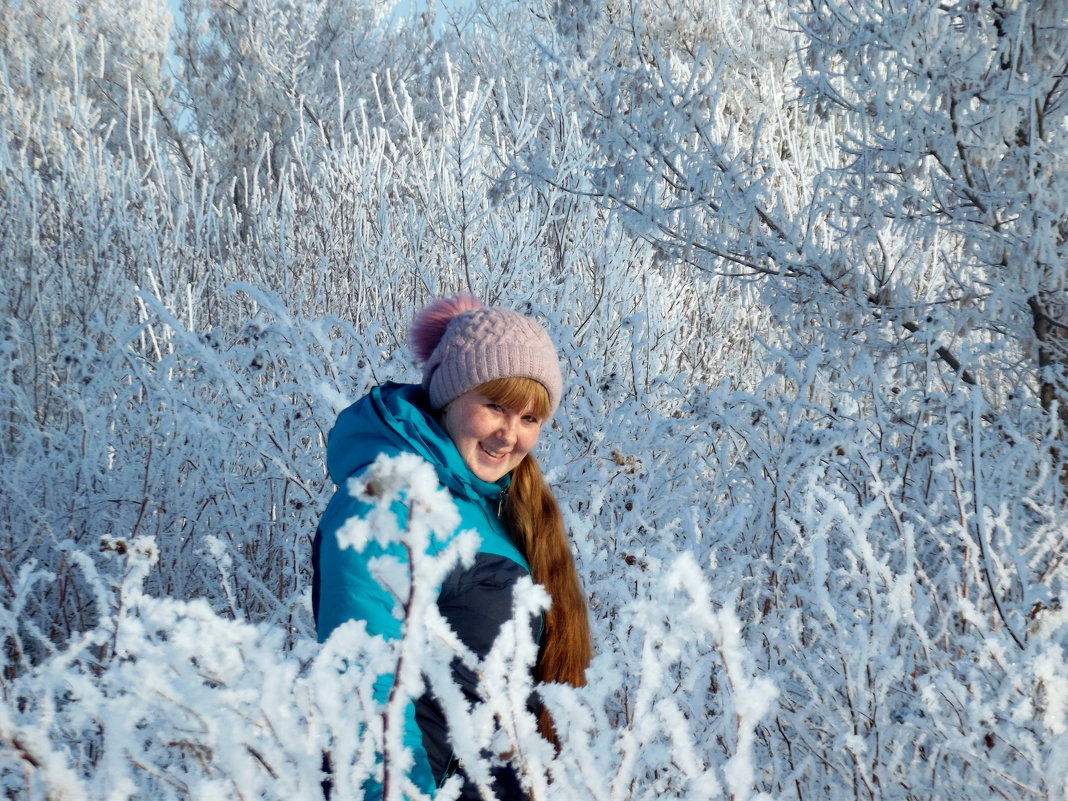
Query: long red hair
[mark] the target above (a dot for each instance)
(535, 523)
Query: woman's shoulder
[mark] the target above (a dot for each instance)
(388, 419)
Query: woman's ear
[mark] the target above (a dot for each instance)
(443, 417)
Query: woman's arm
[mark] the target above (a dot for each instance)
(344, 589)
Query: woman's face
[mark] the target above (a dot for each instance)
(492, 439)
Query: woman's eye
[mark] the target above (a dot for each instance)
(531, 419)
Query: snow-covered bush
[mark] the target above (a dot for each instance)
(168, 699)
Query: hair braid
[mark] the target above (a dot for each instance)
(536, 522)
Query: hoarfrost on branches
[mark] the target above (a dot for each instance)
(805, 266)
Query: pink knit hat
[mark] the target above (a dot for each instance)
(462, 344)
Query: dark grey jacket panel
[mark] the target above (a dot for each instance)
(476, 602)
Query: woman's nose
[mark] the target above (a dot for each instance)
(508, 428)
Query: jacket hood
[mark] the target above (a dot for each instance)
(394, 418)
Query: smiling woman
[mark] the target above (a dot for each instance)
(491, 379)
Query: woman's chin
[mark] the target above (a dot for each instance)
(491, 475)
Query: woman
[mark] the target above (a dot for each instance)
(491, 380)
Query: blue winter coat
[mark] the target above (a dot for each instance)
(476, 600)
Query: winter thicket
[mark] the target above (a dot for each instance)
(806, 266)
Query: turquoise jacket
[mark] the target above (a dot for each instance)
(391, 419)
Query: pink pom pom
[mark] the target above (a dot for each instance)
(428, 326)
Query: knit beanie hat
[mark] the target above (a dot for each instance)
(462, 344)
